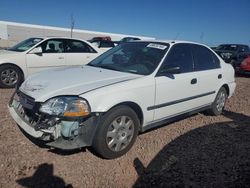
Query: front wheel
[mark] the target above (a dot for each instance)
(9, 76)
(219, 102)
(116, 132)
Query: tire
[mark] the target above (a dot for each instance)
(116, 132)
(219, 102)
(10, 75)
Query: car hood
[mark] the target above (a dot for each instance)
(6, 53)
(71, 81)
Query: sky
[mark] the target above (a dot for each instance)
(208, 21)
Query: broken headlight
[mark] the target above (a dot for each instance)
(66, 106)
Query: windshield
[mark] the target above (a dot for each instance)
(25, 45)
(134, 57)
(227, 47)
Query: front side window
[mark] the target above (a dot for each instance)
(179, 56)
(25, 45)
(76, 46)
(136, 57)
(204, 59)
(53, 46)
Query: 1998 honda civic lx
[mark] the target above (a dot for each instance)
(131, 88)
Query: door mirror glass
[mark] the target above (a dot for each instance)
(37, 50)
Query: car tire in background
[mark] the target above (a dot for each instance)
(219, 102)
(116, 132)
(10, 75)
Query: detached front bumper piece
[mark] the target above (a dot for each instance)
(57, 133)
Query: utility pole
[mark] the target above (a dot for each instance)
(72, 25)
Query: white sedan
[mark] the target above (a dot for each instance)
(131, 88)
(36, 54)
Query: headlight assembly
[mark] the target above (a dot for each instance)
(66, 106)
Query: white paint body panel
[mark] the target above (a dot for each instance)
(175, 88)
(36, 63)
(70, 81)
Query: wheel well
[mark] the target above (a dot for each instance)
(227, 89)
(14, 66)
(136, 108)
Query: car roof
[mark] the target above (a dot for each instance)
(171, 42)
(233, 45)
(59, 37)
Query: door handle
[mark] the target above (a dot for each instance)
(60, 57)
(219, 76)
(194, 81)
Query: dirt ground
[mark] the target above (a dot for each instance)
(200, 151)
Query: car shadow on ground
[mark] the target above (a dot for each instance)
(216, 155)
(43, 177)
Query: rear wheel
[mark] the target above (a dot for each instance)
(219, 102)
(116, 132)
(10, 75)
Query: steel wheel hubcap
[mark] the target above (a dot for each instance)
(9, 77)
(120, 133)
(221, 101)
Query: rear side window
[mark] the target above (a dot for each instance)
(76, 46)
(179, 55)
(204, 59)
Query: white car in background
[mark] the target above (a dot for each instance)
(37, 54)
(131, 88)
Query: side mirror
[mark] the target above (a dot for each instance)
(37, 50)
(170, 70)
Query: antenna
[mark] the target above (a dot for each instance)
(72, 25)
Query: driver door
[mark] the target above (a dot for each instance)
(175, 92)
(52, 56)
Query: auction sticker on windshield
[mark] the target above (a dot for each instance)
(158, 46)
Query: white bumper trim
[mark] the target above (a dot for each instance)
(26, 127)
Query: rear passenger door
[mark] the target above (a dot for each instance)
(208, 73)
(79, 52)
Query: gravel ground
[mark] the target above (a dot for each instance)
(200, 151)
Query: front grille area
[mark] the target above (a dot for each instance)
(26, 101)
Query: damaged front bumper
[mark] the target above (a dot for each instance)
(55, 132)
